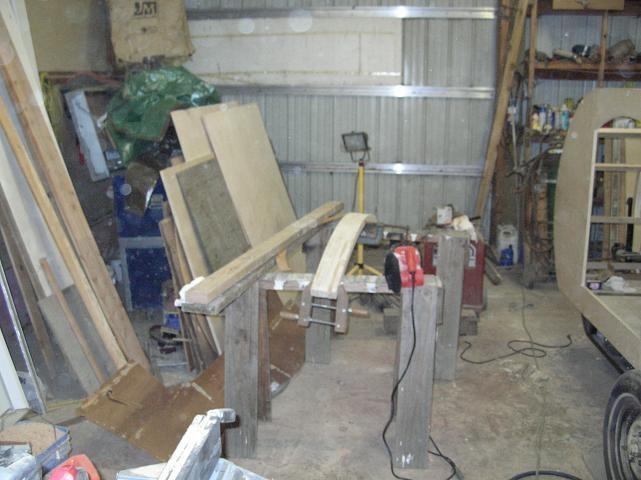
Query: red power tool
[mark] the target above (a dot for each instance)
(403, 268)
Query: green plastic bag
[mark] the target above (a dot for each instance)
(138, 115)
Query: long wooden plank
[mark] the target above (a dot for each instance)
(243, 151)
(62, 241)
(168, 234)
(615, 220)
(20, 263)
(191, 132)
(219, 282)
(47, 154)
(500, 112)
(241, 368)
(338, 251)
(414, 396)
(618, 132)
(184, 226)
(452, 257)
(73, 323)
(616, 167)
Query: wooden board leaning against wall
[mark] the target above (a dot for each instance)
(75, 239)
(214, 222)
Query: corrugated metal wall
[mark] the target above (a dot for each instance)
(424, 131)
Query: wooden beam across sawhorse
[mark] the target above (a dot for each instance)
(414, 396)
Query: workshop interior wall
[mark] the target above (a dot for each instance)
(434, 130)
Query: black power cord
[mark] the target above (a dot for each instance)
(535, 350)
(438, 451)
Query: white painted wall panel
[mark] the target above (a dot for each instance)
(297, 51)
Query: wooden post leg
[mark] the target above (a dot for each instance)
(264, 361)
(318, 337)
(241, 372)
(414, 397)
(452, 255)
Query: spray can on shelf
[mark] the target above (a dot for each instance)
(565, 117)
(543, 115)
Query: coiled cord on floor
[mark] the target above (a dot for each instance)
(535, 350)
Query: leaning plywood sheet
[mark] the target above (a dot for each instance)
(65, 338)
(205, 220)
(191, 133)
(244, 153)
(338, 251)
(204, 214)
(573, 208)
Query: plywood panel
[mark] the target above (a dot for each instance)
(212, 214)
(246, 159)
(191, 133)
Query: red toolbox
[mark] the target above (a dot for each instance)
(473, 295)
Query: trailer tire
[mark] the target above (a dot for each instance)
(622, 429)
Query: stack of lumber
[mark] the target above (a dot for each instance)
(226, 195)
(49, 241)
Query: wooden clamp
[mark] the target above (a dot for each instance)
(341, 311)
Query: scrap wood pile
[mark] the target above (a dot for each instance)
(226, 196)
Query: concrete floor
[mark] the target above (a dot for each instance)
(494, 421)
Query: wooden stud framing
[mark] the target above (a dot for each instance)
(618, 320)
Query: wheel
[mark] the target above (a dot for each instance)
(622, 429)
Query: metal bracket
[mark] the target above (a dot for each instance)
(341, 310)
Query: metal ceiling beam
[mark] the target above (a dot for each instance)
(394, 91)
(402, 12)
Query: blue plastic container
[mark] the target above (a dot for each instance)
(57, 452)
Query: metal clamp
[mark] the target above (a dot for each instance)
(341, 311)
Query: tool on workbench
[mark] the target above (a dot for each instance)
(356, 142)
(341, 310)
(403, 268)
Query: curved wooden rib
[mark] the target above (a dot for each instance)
(338, 251)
